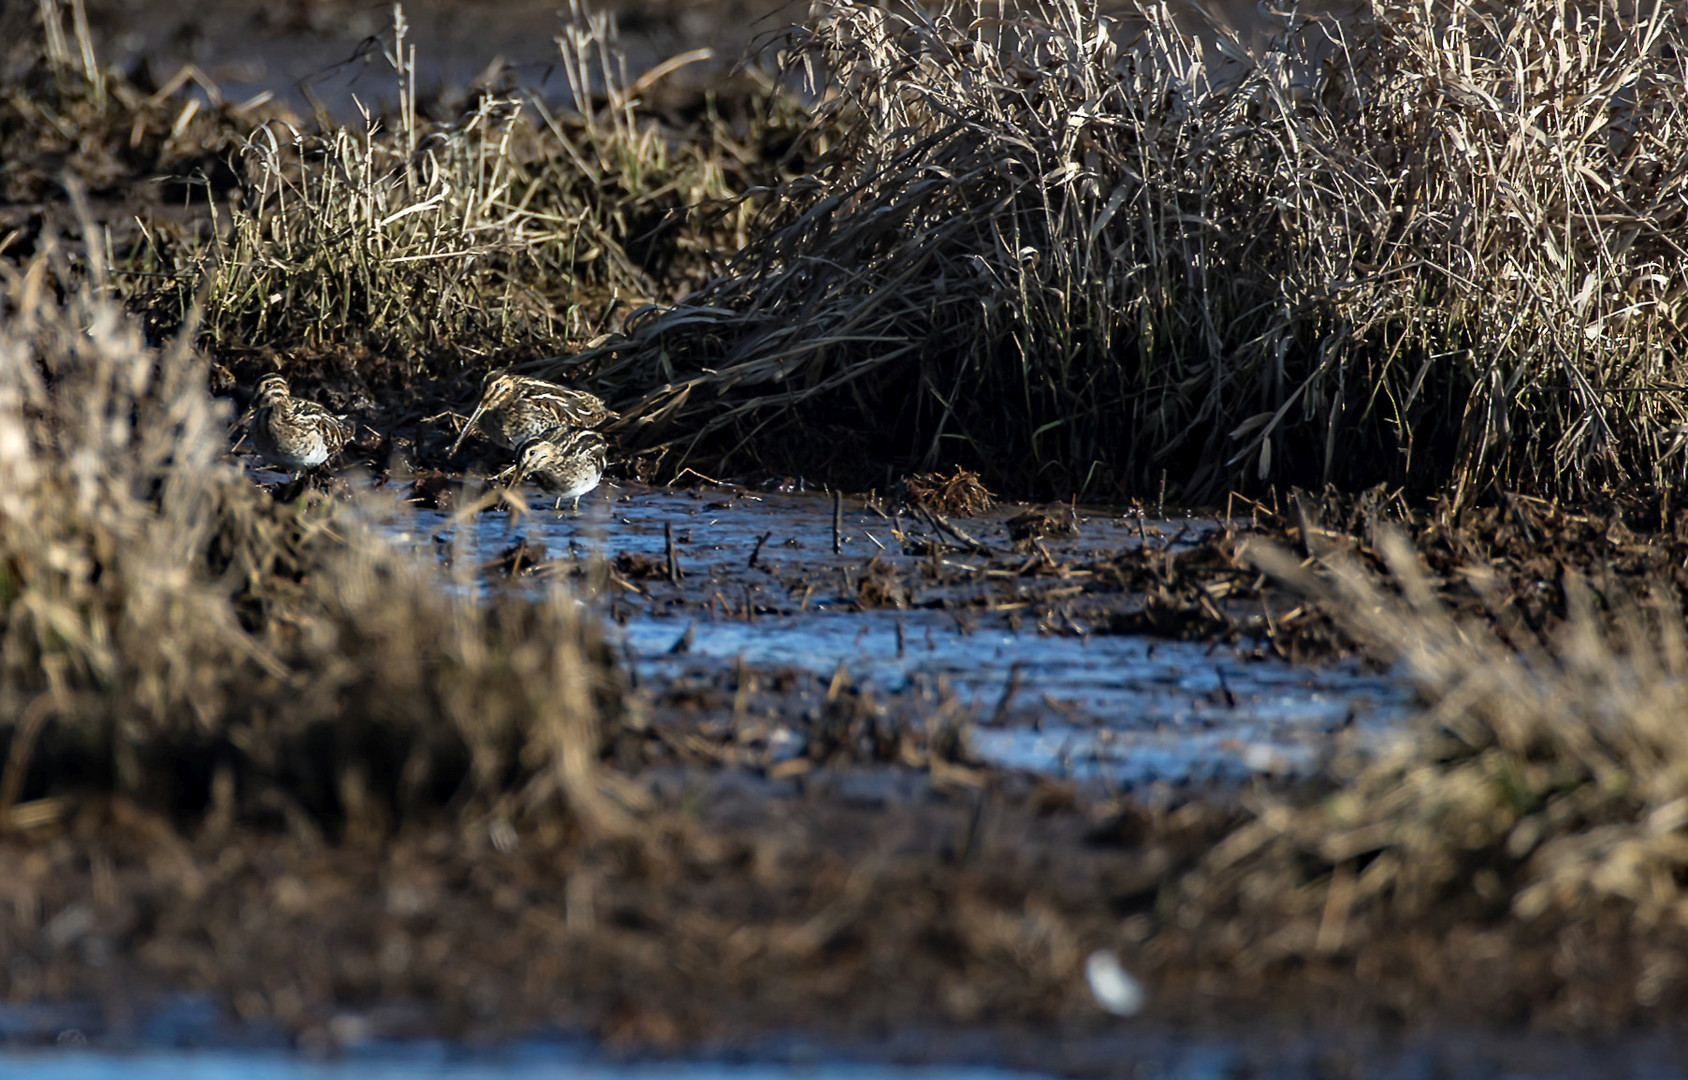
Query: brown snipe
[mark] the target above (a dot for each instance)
(565, 462)
(292, 433)
(515, 408)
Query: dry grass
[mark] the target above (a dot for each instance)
(1541, 798)
(1440, 245)
(1443, 248)
(170, 633)
(1558, 759)
(485, 237)
(960, 494)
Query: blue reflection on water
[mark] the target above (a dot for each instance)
(405, 1064)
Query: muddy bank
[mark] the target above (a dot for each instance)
(322, 53)
(308, 53)
(846, 903)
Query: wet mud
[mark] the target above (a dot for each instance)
(311, 55)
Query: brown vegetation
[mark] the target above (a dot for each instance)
(1538, 804)
(478, 238)
(1433, 246)
(960, 494)
(1423, 246)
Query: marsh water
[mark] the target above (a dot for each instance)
(701, 584)
(756, 583)
(1014, 639)
(190, 1038)
(1214, 1062)
(220, 1066)
(1130, 1050)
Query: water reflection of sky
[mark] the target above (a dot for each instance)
(1124, 710)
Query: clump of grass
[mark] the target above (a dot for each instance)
(397, 238)
(960, 494)
(171, 634)
(1542, 795)
(1436, 245)
(653, 195)
(490, 235)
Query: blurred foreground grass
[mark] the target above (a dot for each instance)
(173, 633)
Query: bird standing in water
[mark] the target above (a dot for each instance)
(292, 433)
(516, 409)
(565, 462)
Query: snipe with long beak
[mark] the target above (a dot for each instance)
(565, 462)
(515, 408)
(292, 433)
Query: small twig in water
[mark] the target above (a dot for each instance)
(757, 550)
(942, 524)
(1016, 675)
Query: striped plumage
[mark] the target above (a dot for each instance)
(515, 408)
(292, 433)
(565, 462)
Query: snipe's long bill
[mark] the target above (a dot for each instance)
(514, 409)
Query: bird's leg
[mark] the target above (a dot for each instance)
(292, 489)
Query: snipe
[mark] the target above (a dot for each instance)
(563, 461)
(514, 409)
(292, 433)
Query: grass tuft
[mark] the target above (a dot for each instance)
(1540, 797)
(1437, 246)
(960, 494)
(484, 238)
